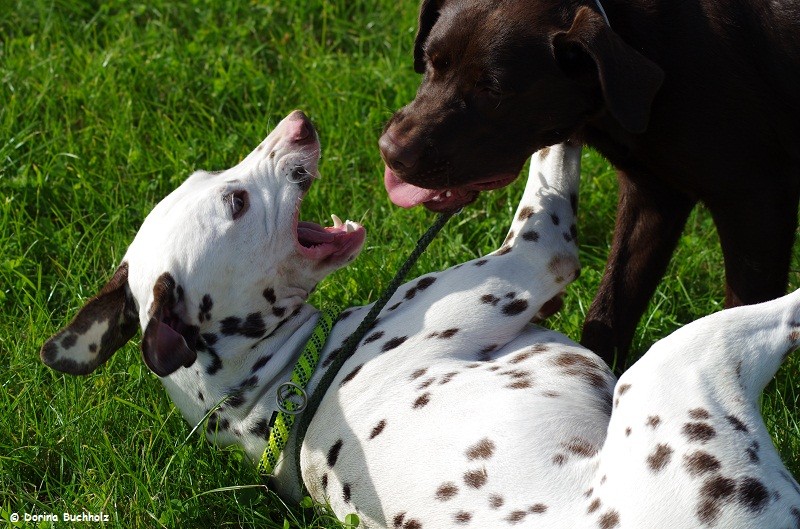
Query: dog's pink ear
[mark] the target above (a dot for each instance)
(428, 15)
(628, 80)
(168, 342)
(102, 326)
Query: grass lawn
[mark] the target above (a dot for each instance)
(105, 107)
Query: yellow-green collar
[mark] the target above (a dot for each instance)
(292, 397)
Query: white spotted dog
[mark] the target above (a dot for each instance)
(454, 410)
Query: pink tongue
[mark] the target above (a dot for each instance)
(311, 233)
(403, 194)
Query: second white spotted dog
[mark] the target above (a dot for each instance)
(455, 410)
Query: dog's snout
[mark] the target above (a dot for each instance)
(300, 127)
(399, 154)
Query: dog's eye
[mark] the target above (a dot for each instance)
(439, 62)
(488, 88)
(237, 202)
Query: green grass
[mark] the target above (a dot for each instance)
(104, 109)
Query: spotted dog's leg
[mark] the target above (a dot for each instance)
(486, 302)
(546, 212)
(554, 177)
(687, 446)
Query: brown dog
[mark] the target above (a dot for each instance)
(690, 101)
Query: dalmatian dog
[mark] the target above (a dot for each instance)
(455, 410)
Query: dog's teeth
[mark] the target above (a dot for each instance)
(448, 194)
(337, 222)
(350, 226)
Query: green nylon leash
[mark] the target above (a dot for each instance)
(311, 403)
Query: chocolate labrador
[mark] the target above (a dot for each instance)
(691, 101)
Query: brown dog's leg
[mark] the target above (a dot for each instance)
(757, 234)
(650, 219)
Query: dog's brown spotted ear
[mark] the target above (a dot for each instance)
(102, 326)
(168, 342)
(629, 81)
(428, 15)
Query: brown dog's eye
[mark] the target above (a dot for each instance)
(489, 89)
(439, 62)
(237, 203)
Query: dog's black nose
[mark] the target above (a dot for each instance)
(399, 155)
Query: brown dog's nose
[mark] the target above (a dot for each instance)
(399, 156)
(300, 127)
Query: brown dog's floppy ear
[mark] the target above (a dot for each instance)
(428, 14)
(168, 342)
(629, 81)
(102, 326)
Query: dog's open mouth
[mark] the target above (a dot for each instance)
(331, 245)
(408, 195)
(327, 246)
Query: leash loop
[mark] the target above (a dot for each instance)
(290, 405)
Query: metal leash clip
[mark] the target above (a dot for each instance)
(291, 393)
